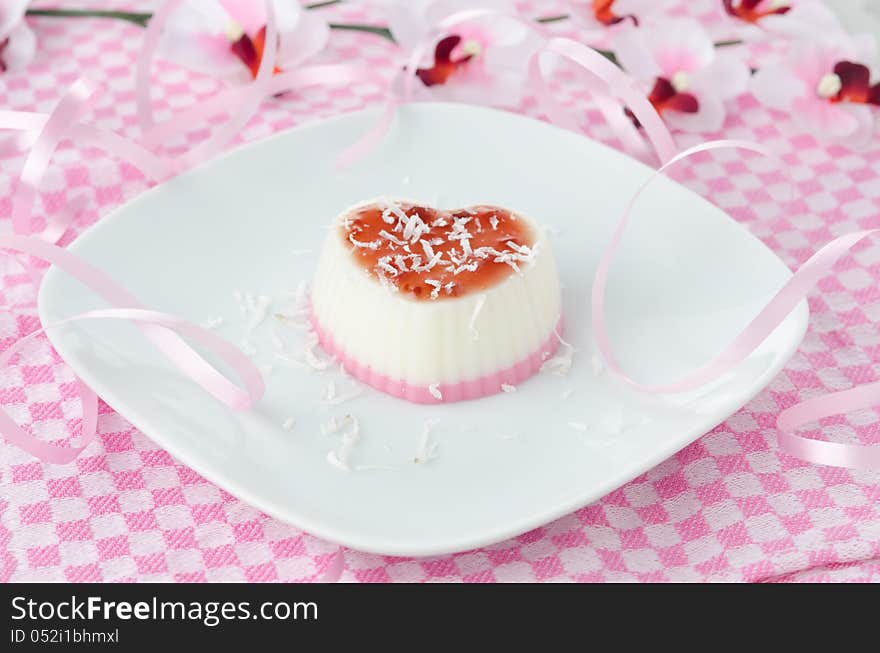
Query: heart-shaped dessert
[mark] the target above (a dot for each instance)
(432, 305)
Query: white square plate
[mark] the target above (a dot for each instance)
(687, 279)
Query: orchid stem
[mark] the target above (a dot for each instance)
(552, 19)
(140, 19)
(378, 30)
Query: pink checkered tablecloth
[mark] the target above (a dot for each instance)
(727, 507)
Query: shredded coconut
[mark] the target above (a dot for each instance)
(340, 458)
(394, 239)
(506, 387)
(467, 267)
(561, 363)
(258, 308)
(427, 447)
(213, 323)
(289, 424)
(333, 459)
(331, 426)
(436, 285)
(343, 397)
(239, 299)
(472, 323)
(434, 389)
(596, 364)
(385, 265)
(313, 360)
(374, 244)
(415, 228)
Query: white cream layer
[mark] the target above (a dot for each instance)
(435, 341)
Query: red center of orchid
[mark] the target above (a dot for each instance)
(603, 10)
(855, 84)
(3, 44)
(250, 51)
(664, 97)
(748, 10)
(444, 65)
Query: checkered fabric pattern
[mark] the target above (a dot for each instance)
(728, 507)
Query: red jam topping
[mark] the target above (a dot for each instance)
(432, 255)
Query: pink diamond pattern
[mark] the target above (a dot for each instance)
(728, 507)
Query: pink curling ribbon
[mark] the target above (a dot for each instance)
(780, 306)
(609, 82)
(162, 329)
(242, 102)
(612, 88)
(50, 131)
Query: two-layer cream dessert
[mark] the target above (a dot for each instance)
(431, 305)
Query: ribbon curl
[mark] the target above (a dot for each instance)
(777, 309)
(612, 89)
(241, 103)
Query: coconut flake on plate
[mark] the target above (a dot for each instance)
(561, 363)
(213, 323)
(472, 323)
(427, 447)
(340, 457)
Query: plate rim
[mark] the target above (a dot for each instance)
(373, 543)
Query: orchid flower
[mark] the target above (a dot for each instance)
(225, 38)
(686, 78)
(480, 61)
(600, 19)
(17, 42)
(826, 87)
(758, 19)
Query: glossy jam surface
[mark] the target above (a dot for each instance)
(431, 255)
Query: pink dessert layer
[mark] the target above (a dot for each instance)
(483, 386)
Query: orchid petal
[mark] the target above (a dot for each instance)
(861, 136)
(198, 36)
(681, 45)
(20, 50)
(633, 53)
(824, 119)
(804, 19)
(11, 15)
(308, 39)
(709, 117)
(777, 87)
(726, 77)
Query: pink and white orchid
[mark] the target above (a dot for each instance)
(225, 38)
(17, 42)
(686, 78)
(599, 20)
(483, 60)
(825, 86)
(753, 20)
